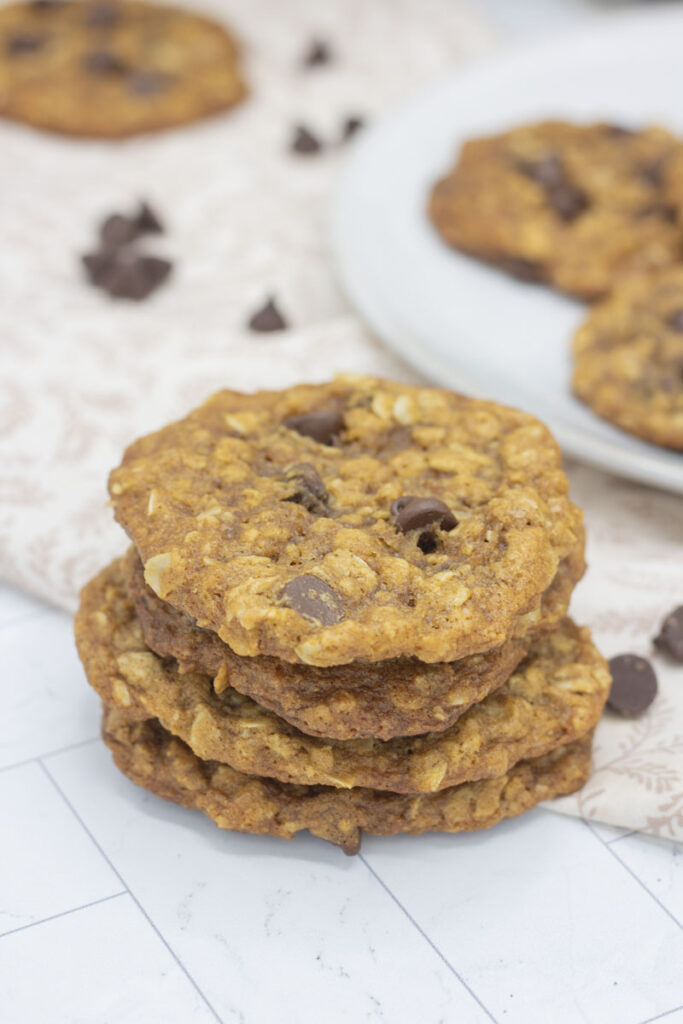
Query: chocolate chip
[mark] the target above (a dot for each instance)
(98, 265)
(568, 200)
(618, 131)
(413, 513)
(323, 425)
(350, 126)
(675, 320)
(147, 222)
(314, 599)
(670, 636)
(427, 542)
(103, 62)
(117, 230)
(147, 83)
(102, 15)
(317, 54)
(524, 270)
(309, 490)
(634, 685)
(304, 141)
(548, 172)
(136, 278)
(25, 42)
(267, 319)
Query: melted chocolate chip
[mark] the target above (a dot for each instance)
(309, 490)
(350, 126)
(317, 54)
(103, 62)
(25, 42)
(117, 230)
(412, 513)
(267, 319)
(304, 141)
(634, 685)
(314, 599)
(547, 172)
(323, 425)
(102, 15)
(670, 636)
(147, 83)
(427, 542)
(568, 201)
(675, 320)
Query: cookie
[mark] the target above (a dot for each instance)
(576, 206)
(628, 357)
(113, 68)
(398, 697)
(555, 696)
(153, 758)
(358, 519)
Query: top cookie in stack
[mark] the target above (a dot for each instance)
(319, 575)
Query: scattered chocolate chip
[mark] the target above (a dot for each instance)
(413, 513)
(317, 54)
(548, 172)
(350, 126)
(147, 83)
(524, 270)
(102, 15)
(117, 230)
(147, 221)
(634, 685)
(314, 599)
(136, 278)
(25, 42)
(267, 319)
(568, 200)
(675, 320)
(323, 425)
(427, 542)
(304, 141)
(309, 490)
(670, 636)
(98, 265)
(103, 62)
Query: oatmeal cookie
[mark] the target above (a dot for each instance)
(573, 205)
(358, 519)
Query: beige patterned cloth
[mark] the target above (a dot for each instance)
(81, 375)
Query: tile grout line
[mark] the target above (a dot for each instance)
(49, 753)
(617, 839)
(424, 935)
(63, 913)
(634, 876)
(132, 895)
(660, 1016)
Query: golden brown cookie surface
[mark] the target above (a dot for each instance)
(358, 519)
(576, 206)
(398, 697)
(152, 758)
(113, 68)
(628, 357)
(554, 697)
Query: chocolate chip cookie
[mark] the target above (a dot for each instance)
(576, 206)
(153, 758)
(113, 68)
(628, 357)
(555, 696)
(358, 519)
(398, 697)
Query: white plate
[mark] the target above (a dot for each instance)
(468, 326)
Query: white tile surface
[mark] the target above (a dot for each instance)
(45, 705)
(48, 864)
(534, 915)
(16, 606)
(101, 965)
(229, 905)
(658, 863)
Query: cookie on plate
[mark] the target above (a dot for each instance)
(113, 68)
(628, 357)
(358, 519)
(158, 761)
(555, 696)
(576, 206)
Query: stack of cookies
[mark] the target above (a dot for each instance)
(344, 610)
